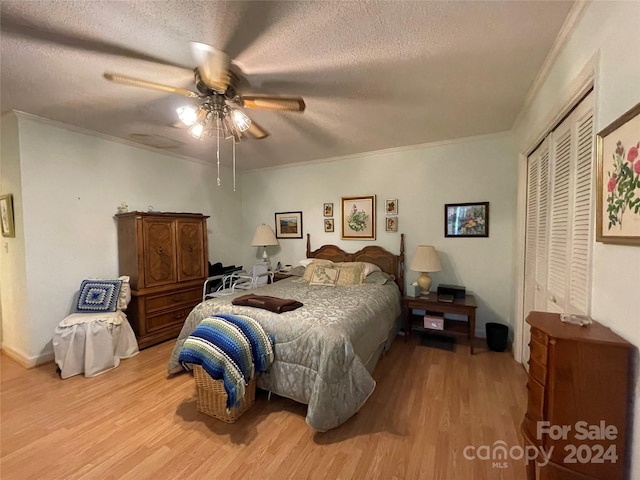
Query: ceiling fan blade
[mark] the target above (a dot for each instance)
(213, 66)
(19, 27)
(136, 82)
(257, 131)
(292, 104)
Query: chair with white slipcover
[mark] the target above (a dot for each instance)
(97, 335)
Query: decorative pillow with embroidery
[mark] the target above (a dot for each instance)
(324, 275)
(98, 296)
(351, 273)
(308, 272)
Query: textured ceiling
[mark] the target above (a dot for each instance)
(374, 75)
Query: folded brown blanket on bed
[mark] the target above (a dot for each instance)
(273, 304)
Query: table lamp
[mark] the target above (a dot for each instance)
(425, 260)
(264, 237)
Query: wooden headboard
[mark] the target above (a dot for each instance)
(387, 261)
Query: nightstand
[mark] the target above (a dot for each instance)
(461, 306)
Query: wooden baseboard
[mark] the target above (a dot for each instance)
(26, 361)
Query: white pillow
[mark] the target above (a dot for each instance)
(370, 268)
(125, 292)
(305, 262)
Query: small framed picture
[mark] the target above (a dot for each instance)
(391, 207)
(6, 211)
(391, 224)
(328, 210)
(466, 219)
(328, 224)
(289, 225)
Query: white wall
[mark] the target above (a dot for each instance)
(607, 33)
(13, 281)
(423, 179)
(72, 184)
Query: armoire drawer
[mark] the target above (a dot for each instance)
(155, 303)
(166, 319)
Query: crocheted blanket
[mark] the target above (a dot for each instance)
(231, 348)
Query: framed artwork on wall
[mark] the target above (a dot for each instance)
(328, 225)
(289, 225)
(466, 219)
(391, 224)
(6, 212)
(359, 218)
(618, 181)
(328, 209)
(391, 206)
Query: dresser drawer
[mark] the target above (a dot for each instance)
(535, 403)
(164, 320)
(538, 371)
(538, 352)
(539, 336)
(156, 303)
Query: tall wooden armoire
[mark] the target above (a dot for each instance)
(165, 254)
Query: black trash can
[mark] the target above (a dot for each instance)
(497, 336)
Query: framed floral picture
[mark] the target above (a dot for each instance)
(328, 225)
(391, 224)
(466, 219)
(618, 181)
(289, 225)
(6, 212)
(391, 207)
(328, 209)
(359, 218)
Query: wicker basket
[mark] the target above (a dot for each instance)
(212, 397)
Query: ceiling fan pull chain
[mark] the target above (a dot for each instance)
(234, 164)
(218, 147)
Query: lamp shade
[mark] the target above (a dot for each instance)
(264, 237)
(425, 259)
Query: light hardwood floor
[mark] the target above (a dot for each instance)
(135, 423)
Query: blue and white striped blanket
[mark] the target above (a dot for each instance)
(231, 348)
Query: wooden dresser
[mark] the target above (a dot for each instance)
(165, 254)
(579, 382)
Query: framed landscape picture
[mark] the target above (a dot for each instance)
(359, 218)
(289, 225)
(466, 219)
(618, 181)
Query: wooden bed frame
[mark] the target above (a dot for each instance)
(387, 261)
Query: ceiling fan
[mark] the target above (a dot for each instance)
(217, 93)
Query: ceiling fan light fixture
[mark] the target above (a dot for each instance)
(188, 114)
(196, 131)
(241, 121)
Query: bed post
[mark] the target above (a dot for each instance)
(308, 245)
(401, 265)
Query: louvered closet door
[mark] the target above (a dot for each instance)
(571, 213)
(559, 223)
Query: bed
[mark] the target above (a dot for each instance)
(325, 351)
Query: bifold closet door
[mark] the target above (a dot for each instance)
(559, 218)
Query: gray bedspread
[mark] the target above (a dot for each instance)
(322, 350)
